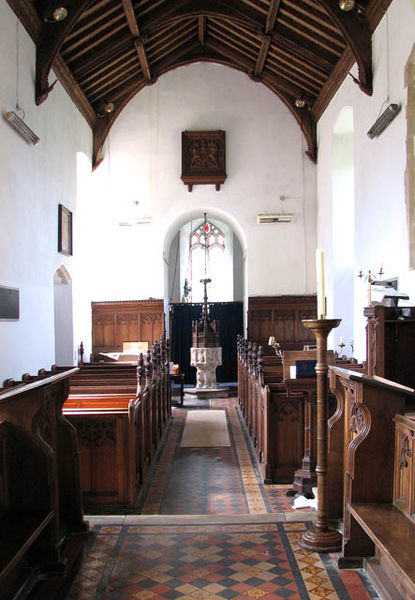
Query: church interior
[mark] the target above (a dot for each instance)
(206, 378)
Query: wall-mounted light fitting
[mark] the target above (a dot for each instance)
(384, 120)
(346, 5)
(21, 128)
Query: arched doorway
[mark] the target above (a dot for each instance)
(192, 252)
(63, 317)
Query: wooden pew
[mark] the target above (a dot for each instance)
(335, 438)
(110, 429)
(274, 419)
(41, 517)
(120, 413)
(376, 522)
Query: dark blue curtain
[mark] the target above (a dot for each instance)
(230, 317)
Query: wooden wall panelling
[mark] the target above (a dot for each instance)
(281, 317)
(390, 335)
(404, 478)
(116, 322)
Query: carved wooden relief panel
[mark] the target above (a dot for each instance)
(203, 158)
(404, 466)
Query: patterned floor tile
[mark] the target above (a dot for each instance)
(259, 560)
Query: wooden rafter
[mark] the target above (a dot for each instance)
(111, 49)
(202, 30)
(272, 15)
(222, 9)
(262, 55)
(138, 40)
(266, 39)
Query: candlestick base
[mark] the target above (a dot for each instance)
(317, 540)
(321, 537)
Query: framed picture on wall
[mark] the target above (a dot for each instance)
(64, 230)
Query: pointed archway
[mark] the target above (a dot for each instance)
(63, 317)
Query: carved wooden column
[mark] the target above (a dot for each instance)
(321, 537)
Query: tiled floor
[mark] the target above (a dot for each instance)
(212, 480)
(208, 529)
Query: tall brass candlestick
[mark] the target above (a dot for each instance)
(321, 537)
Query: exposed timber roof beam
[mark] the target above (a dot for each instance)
(202, 30)
(272, 15)
(138, 39)
(355, 28)
(262, 55)
(50, 39)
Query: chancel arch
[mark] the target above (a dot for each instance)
(226, 263)
(63, 317)
(229, 270)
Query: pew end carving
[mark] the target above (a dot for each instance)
(120, 412)
(41, 515)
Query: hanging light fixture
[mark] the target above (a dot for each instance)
(105, 108)
(54, 15)
(60, 13)
(300, 102)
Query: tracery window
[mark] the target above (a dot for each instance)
(207, 246)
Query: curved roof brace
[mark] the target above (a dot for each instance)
(286, 93)
(50, 40)
(354, 25)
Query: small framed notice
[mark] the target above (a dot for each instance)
(64, 230)
(9, 304)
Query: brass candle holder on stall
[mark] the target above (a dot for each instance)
(321, 537)
(369, 277)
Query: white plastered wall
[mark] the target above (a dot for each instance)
(380, 213)
(142, 163)
(33, 181)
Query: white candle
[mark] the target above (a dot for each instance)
(341, 341)
(321, 296)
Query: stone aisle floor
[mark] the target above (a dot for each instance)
(208, 528)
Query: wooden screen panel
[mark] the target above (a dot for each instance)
(150, 326)
(125, 321)
(280, 316)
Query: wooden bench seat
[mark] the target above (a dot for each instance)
(97, 402)
(111, 437)
(41, 517)
(394, 537)
(120, 412)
